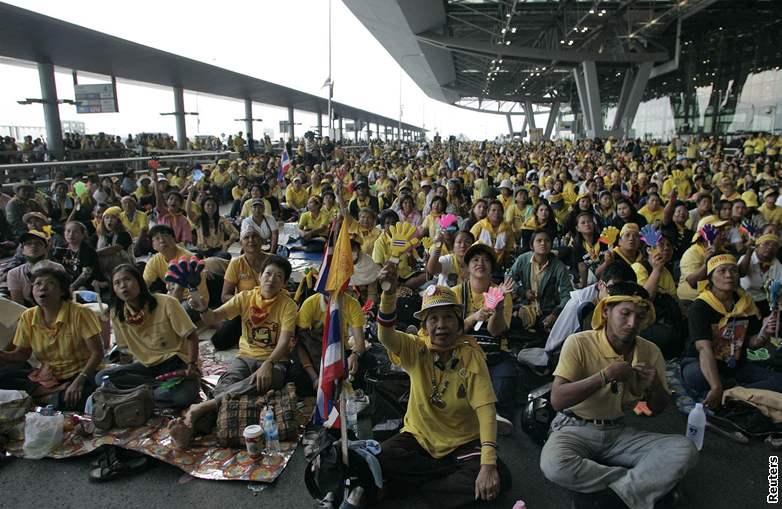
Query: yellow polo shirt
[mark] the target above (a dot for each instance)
(313, 312)
(134, 227)
(771, 215)
(157, 266)
(262, 322)
(382, 252)
(441, 430)
(586, 353)
(64, 346)
(490, 235)
(307, 221)
(161, 335)
(241, 274)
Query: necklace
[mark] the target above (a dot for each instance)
(438, 390)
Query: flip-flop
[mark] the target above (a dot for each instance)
(118, 469)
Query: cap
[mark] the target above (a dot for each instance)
(480, 247)
(506, 184)
(36, 215)
(33, 235)
(256, 201)
(23, 183)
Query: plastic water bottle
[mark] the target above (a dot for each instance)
(272, 437)
(104, 381)
(351, 416)
(520, 504)
(696, 425)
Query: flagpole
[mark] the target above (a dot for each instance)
(331, 86)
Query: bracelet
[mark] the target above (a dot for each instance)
(603, 379)
(489, 444)
(386, 319)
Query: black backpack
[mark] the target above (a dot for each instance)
(537, 414)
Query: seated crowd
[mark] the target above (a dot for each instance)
(608, 259)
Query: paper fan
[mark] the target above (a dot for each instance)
(426, 242)
(491, 299)
(753, 227)
(154, 163)
(651, 235)
(185, 272)
(402, 238)
(447, 220)
(609, 235)
(709, 233)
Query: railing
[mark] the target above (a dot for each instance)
(43, 173)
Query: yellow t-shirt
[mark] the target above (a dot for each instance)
(241, 274)
(431, 225)
(586, 353)
(237, 192)
(140, 221)
(692, 261)
(262, 321)
(63, 347)
(654, 218)
(309, 222)
(665, 284)
(296, 199)
(441, 430)
(772, 216)
(500, 238)
(313, 312)
(247, 208)
(161, 335)
(157, 266)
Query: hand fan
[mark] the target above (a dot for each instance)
(490, 300)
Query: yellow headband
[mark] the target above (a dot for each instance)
(597, 316)
(768, 237)
(716, 261)
(629, 227)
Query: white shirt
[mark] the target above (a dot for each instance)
(753, 282)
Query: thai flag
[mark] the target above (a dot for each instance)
(285, 165)
(332, 368)
(331, 282)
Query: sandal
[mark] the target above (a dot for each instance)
(117, 469)
(107, 455)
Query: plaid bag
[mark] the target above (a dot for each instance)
(237, 412)
(12, 412)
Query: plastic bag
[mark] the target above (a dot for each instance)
(13, 407)
(42, 433)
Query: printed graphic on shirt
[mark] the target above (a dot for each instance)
(727, 341)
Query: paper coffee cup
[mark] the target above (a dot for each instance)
(253, 437)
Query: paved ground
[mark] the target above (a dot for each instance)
(728, 476)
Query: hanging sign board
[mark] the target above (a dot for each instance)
(95, 98)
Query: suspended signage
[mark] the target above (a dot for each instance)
(96, 98)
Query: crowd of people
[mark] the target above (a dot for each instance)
(603, 259)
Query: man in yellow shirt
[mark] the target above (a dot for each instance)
(295, 195)
(769, 209)
(600, 374)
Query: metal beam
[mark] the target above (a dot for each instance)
(290, 123)
(634, 97)
(592, 90)
(627, 84)
(51, 109)
(179, 116)
(530, 114)
(535, 55)
(510, 124)
(552, 118)
(578, 77)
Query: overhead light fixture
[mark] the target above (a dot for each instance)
(562, 41)
(504, 30)
(513, 30)
(507, 43)
(570, 42)
(591, 11)
(500, 60)
(507, 15)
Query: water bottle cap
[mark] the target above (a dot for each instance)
(698, 405)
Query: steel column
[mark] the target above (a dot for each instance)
(592, 90)
(578, 77)
(179, 116)
(636, 93)
(51, 109)
(552, 118)
(529, 114)
(248, 124)
(290, 123)
(510, 125)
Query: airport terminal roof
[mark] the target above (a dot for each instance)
(33, 37)
(505, 52)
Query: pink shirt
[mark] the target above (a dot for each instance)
(183, 230)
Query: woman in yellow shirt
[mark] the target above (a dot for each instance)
(495, 232)
(431, 225)
(158, 333)
(214, 233)
(451, 413)
(63, 336)
(315, 221)
(653, 211)
(268, 317)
